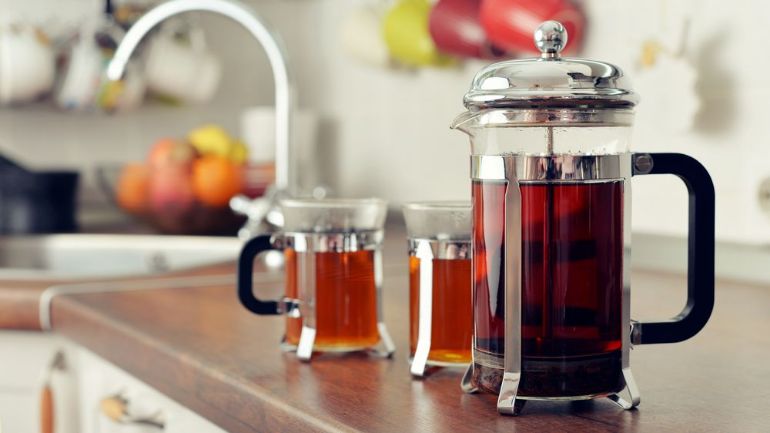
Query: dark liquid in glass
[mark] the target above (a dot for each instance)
(572, 252)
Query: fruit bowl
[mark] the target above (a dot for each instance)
(169, 200)
(185, 185)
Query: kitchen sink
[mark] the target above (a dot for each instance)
(87, 255)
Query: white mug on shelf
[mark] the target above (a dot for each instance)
(81, 77)
(183, 70)
(84, 85)
(27, 63)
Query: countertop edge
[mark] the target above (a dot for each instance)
(257, 410)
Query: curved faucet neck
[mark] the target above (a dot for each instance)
(246, 17)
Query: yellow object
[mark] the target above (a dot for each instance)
(650, 51)
(109, 95)
(406, 33)
(114, 408)
(239, 153)
(211, 140)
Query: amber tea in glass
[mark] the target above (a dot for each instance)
(346, 300)
(451, 321)
(440, 313)
(332, 251)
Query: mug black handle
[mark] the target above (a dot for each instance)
(700, 248)
(250, 250)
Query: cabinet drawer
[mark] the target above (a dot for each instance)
(102, 380)
(19, 411)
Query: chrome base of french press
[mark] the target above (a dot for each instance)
(628, 397)
(507, 403)
(510, 403)
(385, 348)
(466, 384)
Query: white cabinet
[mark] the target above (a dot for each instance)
(18, 411)
(25, 358)
(78, 391)
(99, 379)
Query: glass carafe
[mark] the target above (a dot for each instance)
(551, 170)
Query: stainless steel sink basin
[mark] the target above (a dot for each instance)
(86, 255)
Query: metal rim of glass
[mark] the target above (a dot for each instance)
(333, 215)
(438, 220)
(447, 205)
(331, 203)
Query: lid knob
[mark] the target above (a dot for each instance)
(550, 39)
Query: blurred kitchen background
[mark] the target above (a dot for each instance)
(382, 127)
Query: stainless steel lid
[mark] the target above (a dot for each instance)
(550, 81)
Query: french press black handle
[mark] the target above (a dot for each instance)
(700, 248)
(251, 250)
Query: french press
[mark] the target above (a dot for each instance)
(551, 180)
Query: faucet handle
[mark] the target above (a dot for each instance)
(252, 208)
(263, 213)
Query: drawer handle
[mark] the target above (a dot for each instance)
(116, 408)
(47, 407)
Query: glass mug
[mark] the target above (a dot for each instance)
(551, 184)
(333, 259)
(440, 313)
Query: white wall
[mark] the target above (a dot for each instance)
(386, 133)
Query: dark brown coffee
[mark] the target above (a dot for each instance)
(571, 306)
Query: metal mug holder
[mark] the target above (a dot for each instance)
(517, 169)
(306, 245)
(427, 250)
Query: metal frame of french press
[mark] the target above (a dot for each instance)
(427, 250)
(515, 170)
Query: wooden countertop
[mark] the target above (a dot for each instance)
(201, 348)
(20, 298)
(20, 303)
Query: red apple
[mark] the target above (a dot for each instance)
(171, 192)
(510, 24)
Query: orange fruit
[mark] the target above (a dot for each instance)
(215, 179)
(131, 190)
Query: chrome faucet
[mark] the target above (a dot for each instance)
(264, 208)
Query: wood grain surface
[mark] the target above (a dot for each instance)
(201, 348)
